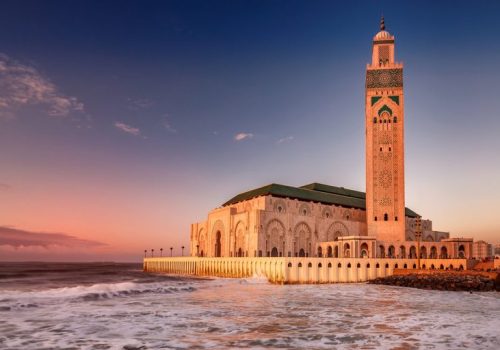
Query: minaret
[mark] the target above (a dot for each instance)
(385, 181)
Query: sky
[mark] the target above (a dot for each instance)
(121, 123)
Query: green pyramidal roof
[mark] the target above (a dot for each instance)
(314, 192)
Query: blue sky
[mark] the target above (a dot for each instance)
(132, 131)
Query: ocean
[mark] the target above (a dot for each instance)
(117, 306)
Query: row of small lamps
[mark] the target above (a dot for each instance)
(161, 252)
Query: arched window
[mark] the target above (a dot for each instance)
(310, 265)
(395, 218)
(395, 119)
(320, 265)
(300, 264)
(375, 120)
(386, 217)
(368, 265)
(329, 265)
(377, 266)
(290, 264)
(349, 265)
(358, 266)
(390, 149)
(375, 218)
(339, 265)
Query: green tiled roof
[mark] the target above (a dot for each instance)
(334, 189)
(314, 192)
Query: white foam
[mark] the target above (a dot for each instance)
(252, 313)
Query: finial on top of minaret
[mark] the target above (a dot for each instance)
(382, 23)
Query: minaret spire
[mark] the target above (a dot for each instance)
(382, 23)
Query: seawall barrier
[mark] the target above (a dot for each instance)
(286, 270)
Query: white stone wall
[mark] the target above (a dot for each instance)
(272, 226)
(295, 270)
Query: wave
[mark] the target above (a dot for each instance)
(98, 291)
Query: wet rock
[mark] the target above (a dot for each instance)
(442, 281)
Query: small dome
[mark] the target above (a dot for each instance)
(382, 35)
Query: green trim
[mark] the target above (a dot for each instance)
(395, 99)
(384, 108)
(314, 192)
(375, 99)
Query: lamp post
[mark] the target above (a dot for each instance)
(152, 252)
(171, 248)
(145, 253)
(161, 252)
(182, 250)
(418, 235)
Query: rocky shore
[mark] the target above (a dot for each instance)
(442, 281)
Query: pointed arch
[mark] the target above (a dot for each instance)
(218, 238)
(302, 235)
(336, 230)
(274, 235)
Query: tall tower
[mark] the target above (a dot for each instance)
(384, 118)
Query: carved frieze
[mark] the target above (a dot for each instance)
(384, 78)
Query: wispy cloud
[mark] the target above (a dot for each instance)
(243, 136)
(285, 139)
(22, 85)
(22, 238)
(128, 129)
(140, 103)
(166, 124)
(5, 187)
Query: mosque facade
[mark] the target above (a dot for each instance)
(319, 220)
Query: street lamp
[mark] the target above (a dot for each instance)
(171, 248)
(152, 252)
(418, 235)
(145, 253)
(182, 250)
(161, 251)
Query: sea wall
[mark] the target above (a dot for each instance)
(286, 270)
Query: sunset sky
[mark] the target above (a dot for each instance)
(123, 122)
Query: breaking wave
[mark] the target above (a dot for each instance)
(98, 291)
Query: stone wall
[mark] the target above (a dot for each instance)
(284, 270)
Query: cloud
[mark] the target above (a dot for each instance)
(169, 127)
(285, 139)
(22, 85)
(140, 103)
(17, 238)
(5, 187)
(243, 136)
(128, 129)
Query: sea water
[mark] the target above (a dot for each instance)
(117, 306)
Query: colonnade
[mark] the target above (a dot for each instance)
(284, 270)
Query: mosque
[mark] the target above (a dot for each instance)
(318, 220)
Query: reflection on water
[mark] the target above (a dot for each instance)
(133, 310)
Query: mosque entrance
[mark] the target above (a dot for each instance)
(274, 251)
(218, 249)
